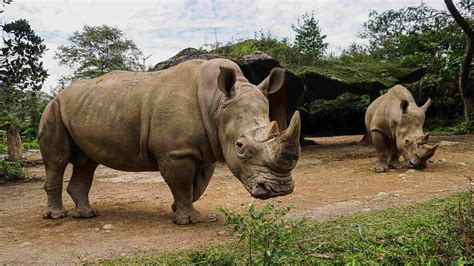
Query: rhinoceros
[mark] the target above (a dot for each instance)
(179, 121)
(395, 124)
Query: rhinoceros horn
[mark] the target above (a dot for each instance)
(289, 146)
(292, 133)
(424, 139)
(430, 150)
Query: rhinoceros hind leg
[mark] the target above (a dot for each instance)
(79, 186)
(179, 174)
(55, 149)
(383, 152)
(53, 187)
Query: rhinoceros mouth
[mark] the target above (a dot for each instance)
(265, 185)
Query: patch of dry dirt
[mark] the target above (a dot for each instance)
(332, 179)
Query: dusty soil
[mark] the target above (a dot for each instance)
(332, 179)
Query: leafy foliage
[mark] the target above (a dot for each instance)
(266, 233)
(97, 50)
(20, 60)
(412, 36)
(308, 39)
(10, 172)
(21, 77)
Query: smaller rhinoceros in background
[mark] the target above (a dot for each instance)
(395, 124)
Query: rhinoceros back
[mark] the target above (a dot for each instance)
(127, 120)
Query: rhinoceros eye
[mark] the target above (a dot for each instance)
(240, 147)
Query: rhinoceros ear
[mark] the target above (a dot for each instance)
(273, 82)
(226, 80)
(404, 106)
(426, 105)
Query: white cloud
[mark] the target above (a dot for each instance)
(163, 28)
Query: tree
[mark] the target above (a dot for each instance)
(412, 36)
(467, 92)
(97, 50)
(309, 40)
(21, 71)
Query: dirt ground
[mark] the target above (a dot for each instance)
(332, 179)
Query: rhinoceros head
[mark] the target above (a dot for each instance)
(255, 150)
(411, 141)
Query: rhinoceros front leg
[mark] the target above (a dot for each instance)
(179, 174)
(394, 158)
(201, 180)
(383, 151)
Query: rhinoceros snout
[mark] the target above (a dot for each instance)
(267, 185)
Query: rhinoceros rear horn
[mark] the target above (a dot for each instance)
(273, 82)
(226, 80)
(426, 105)
(292, 133)
(425, 138)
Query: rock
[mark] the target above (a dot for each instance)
(462, 163)
(402, 175)
(448, 143)
(381, 196)
(411, 171)
(107, 227)
(26, 244)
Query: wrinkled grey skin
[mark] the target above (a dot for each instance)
(178, 121)
(395, 124)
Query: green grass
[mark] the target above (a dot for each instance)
(438, 231)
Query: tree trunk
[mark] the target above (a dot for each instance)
(466, 92)
(14, 144)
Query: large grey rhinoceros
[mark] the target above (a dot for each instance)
(178, 121)
(395, 124)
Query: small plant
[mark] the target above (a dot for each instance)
(31, 145)
(3, 148)
(268, 237)
(11, 172)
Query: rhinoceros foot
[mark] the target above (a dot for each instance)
(54, 213)
(381, 168)
(395, 165)
(187, 217)
(85, 213)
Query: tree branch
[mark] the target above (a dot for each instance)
(459, 19)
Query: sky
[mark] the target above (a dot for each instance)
(163, 28)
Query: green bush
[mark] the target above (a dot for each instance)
(33, 144)
(11, 172)
(3, 148)
(268, 237)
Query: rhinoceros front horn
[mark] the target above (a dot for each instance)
(292, 133)
(289, 146)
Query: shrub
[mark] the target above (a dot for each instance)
(33, 144)
(11, 172)
(3, 148)
(268, 237)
